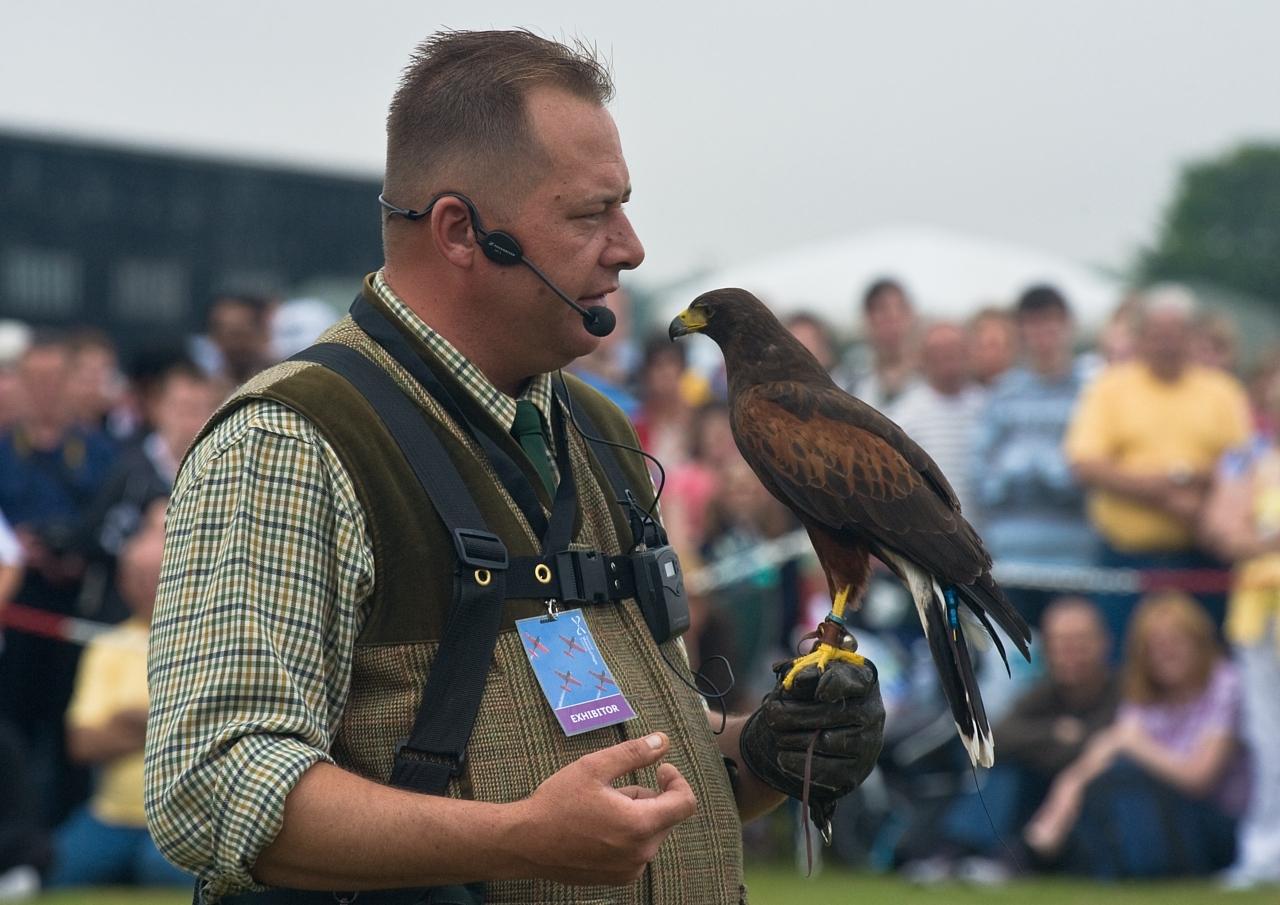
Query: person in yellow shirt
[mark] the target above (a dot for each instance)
(106, 841)
(1145, 439)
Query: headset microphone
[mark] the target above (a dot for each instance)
(503, 249)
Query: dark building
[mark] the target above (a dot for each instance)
(139, 243)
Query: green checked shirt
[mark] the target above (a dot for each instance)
(268, 570)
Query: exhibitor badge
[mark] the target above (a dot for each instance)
(572, 673)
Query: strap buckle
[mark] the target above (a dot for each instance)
(583, 575)
(479, 549)
(455, 764)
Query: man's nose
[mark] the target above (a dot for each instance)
(625, 250)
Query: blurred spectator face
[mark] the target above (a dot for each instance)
(1171, 649)
(1075, 643)
(181, 406)
(140, 561)
(945, 358)
(94, 386)
(815, 337)
(743, 498)
(1046, 339)
(239, 330)
(660, 378)
(43, 375)
(1164, 341)
(1215, 343)
(713, 442)
(1171, 657)
(890, 321)
(993, 346)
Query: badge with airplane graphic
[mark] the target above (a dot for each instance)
(572, 673)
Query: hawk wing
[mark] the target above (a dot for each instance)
(836, 461)
(840, 464)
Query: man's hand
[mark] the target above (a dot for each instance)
(578, 828)
(839, 713)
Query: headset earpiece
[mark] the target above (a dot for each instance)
(499, 247)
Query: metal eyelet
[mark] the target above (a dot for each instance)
(542, 572)
(483, 577)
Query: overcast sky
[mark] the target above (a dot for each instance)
(748, 126)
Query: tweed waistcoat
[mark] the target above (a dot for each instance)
(516, 742)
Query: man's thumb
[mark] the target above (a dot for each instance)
(624, 757)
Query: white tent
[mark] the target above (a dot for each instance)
(947, 274)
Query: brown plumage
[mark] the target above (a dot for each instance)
(860, 486)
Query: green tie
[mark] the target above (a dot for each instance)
(528, 433)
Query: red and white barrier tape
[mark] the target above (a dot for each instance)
(1063, 579)
(735, 568)
(32, 621)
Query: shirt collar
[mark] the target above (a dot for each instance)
(497, 403)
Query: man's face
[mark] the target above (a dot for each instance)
(1046, 337)
(181, 408)
(43, 374)
(238, 333)
(890, 320)
(945, 358)
(1165, 340)
(994, 348)
(1075, 647)
(572, 226)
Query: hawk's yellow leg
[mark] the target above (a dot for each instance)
(824, 653)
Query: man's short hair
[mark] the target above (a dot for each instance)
(461, 101)
(256, 305)
(1166, 298)
(1042, 298)
(878, 290)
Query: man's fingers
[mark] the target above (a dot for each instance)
(674, 801)
(608, 764)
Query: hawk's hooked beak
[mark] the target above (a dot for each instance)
(686, 322)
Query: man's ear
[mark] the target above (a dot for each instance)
(453, 232)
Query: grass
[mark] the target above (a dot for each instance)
(779, 885)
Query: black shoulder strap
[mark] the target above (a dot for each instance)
(385, 334)
(436, 749)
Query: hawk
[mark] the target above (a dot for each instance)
(861, 488)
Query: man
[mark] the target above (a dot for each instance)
(308, 576)
(941, 414)
(1029, 503)
(1145, 440)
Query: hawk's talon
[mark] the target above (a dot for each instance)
(820, 656)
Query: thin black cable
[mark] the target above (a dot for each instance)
(662, 472)
(715, 693)
(977, 787)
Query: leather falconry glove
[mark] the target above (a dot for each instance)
(824, 734)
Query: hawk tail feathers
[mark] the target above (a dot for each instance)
(951, 656)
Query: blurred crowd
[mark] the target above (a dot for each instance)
(1128, 490)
